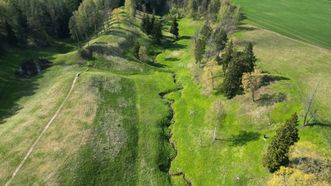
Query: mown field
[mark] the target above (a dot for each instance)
(304, 20)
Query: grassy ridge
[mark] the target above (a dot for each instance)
(111, 128)
(304, 20)
(111, 147)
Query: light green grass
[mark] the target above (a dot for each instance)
(305, 20)
(236, 159)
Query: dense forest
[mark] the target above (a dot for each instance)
(39, 22)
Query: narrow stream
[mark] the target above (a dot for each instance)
(170, 121)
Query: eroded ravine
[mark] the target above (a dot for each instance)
(169, 121)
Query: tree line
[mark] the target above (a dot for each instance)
(90, 16)
(34, 22)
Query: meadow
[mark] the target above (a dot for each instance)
(235, 158)
(305, 20)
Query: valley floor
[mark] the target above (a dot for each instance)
(115, 126)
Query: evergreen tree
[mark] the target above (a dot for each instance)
(11, 36)
(227, 56)
(174, 28)
(249, 57)
(151, 22)
(136, 49)
(199, 50)
(205, 31)
(144, 23)
(277, 152)
(213, 9)
(233, 76)
(157, 31)
(220, 39)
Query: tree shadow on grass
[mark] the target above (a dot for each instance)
(171, 59)
(12, 91)
(176, 46)
(243, 138)
(270, 99)
(320, 123)
(246, 28)
(268, 79)
(185, 37)
(12, 87)
(158, 65)
(310, 165)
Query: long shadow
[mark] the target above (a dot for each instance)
(171, 59)
(175, 46)
(310, 165)
(13, 87)
(158, 65)
(243, 138)
(321, 123)
(246, 28)
(268, 79)
(270, 99)
(185, 37)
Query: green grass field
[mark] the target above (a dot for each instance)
(304, 20)
(236, 159)
(114, 127)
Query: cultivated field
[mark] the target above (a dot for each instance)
(304, 20)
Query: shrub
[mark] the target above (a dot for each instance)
(86, 53)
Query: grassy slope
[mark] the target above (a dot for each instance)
(123, 127)
(236, 160)
(305, 20)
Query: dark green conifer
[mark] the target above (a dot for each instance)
(220, 39)
(277, 152)
(199, 50)
(233, 76)
(227, 56)
(11, 36)
(249, 57)
(157, 31)
(174, 28)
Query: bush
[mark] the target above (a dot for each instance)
(86, 54)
